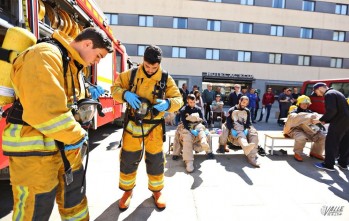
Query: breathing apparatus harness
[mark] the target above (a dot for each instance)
(145, 107)
(83, 111)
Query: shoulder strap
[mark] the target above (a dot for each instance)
(132, 78)
(62, 49)
(163, 82)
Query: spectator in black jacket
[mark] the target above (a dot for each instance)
(235, 96)
(337, 140)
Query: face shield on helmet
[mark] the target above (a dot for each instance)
(303, 100)
(86, 109)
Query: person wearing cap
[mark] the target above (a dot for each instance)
(217, 108)
(235, 95)
(285, 101)
(299, 126)
(148, 135)
(337, 139)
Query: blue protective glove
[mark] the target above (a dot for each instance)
(246, 132)
(234, 133)
(77, 144)
(132, 99)
(194, 132)
(95, 91)
(162, 105)
(207, 132)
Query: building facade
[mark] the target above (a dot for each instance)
(258, 43)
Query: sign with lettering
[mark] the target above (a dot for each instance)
(227, 75)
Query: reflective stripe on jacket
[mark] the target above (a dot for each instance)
(46, 97)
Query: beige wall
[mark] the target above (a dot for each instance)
(234, 41)
(230, 12)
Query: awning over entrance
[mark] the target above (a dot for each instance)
(227, 78)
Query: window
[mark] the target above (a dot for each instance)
(146, 21)
(278, 3)
(213, 25)
(215, 0)
(212, 54)
(141, 49)
(178, 52)
(277, 30)
(112, 19)
(342, 87)
(303, 60)
(180, 23)
(244, 56)
(308, 6)
(275, 58)
(245, 28)
(336, 62)
(247, 2)
(306, 33)
(341, 9)
(338, 36)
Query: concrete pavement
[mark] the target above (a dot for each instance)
(225, 188)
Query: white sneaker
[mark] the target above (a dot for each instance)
(189, 166)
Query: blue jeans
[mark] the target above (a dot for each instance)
(267, 107)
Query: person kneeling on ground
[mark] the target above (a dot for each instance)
(191, 134)
(299, 127)
(239, 131)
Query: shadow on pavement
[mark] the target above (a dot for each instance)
(233, 162)
(308, 169)
(112, 213)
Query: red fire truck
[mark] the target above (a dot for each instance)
(42, 17)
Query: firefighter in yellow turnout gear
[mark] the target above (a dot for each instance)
(146, 84)
(46, 95)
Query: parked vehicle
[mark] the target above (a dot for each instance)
(318, 103)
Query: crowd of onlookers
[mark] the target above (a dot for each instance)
(209, 100)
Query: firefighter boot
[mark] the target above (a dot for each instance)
(246, 147)
(221, 149)
(189, 166)
(125, 200)
(252, 159)
(159, 200)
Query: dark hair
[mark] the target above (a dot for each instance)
(152, 54)
(191, 97)
(97, 36)
(196, 92)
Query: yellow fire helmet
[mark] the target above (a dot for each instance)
(303, 99)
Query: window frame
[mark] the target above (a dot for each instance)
(147, 19)
(213, 56)
(305, 32)
(334, 63)
(242, 27)
(276, 3)
(244, 55)
(304, 60)
(308, 2)
(277, 30)
(276, 58)
(179, 53)
(176, 24)
(247, 2)
(142, 50)
(213, 23)
(338, 34)
(339, 9)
